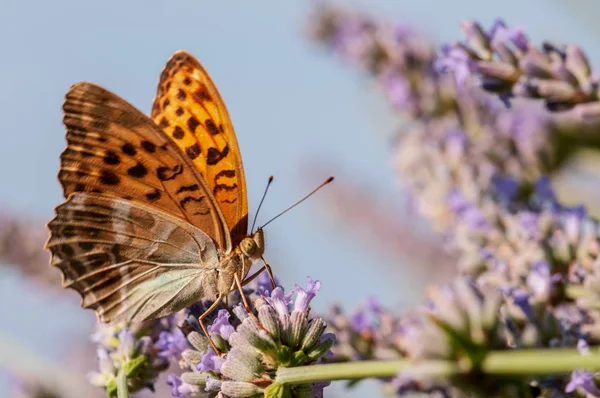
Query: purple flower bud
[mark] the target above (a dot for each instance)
(279, 301)
(582, 379)
(507, 188)
(221, 325)
(468, 212)
(304, 296)
(540, 281)
(360, 321)
(179, 389)
(583, 347)
(210, 361)
(521, 299)
(126, 343)
(171, 344)
(263, 282)
(398, 90)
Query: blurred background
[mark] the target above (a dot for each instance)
(299, 113)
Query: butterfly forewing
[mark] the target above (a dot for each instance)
(128, 261)
(190, 110)
(154, 208)
(115, 150)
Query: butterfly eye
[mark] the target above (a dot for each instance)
(248, 246)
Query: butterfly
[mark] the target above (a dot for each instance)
(156, 211)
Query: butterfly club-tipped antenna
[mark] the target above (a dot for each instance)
(327, 181)
(261, 202)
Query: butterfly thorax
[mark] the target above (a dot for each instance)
(240, 260)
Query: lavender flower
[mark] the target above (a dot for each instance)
(461, 321)
(507, 63)
(400, 59)
(141, 350)
(583, 381)
(280, 335)
(171, 344)
(477, 170)
(369, 332)
(22, 246)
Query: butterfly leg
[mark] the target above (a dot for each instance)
(260, 271)
(204, 329)
(244, 299)
(270, 272)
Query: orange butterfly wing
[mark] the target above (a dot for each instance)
(114, 149)
(190, 110)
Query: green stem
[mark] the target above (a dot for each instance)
(360, 370)
(122, 391)
(549, 361)
(509, 362)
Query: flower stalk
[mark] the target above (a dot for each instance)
(498, 363)
(122, 390)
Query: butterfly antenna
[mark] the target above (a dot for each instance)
(261, 202)
(298, 202)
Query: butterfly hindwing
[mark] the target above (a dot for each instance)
(114, 149)
(190, 110)
(128, 261)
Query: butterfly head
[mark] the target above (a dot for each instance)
(254, 246)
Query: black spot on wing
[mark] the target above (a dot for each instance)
(166, 173)
(178, 133)
(192, 123)
(163, 122)
(128, 149)
(138, 171)
(214, 156)
(154, 195)
(193, 151)
(225, 173)
(107, 177)
(188, 199)
(202, 94)
(211, 127)
(223, 187)
(148, 146)
(67, 250)
(68, 231)
(110, 157)
(86, 245)
(188, 188)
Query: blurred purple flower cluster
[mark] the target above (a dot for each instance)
(478, 170)
(142, 351)
(506, 62)
(21, 246)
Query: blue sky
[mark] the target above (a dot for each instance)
(293, 107)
